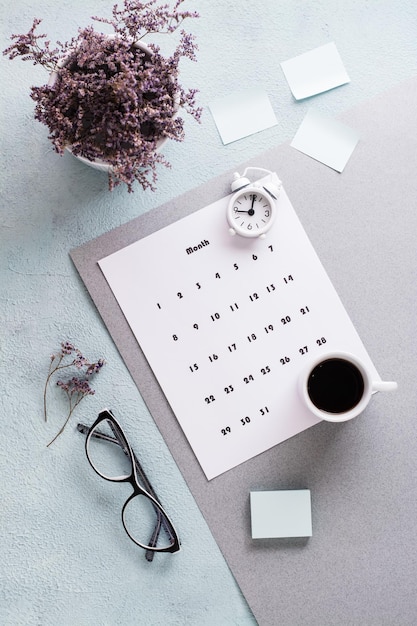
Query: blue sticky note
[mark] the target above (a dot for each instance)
(284, 513)
(241, 114)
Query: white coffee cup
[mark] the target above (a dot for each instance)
(337, 386)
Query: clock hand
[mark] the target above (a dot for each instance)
(249, 212)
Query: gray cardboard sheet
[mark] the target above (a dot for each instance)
(360, 565)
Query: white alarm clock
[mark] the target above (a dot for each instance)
(253, 207)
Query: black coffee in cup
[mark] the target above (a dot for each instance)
(335, 385)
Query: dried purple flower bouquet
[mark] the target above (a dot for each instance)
(108, 99)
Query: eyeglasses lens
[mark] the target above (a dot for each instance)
(141, 517)
(106, 454)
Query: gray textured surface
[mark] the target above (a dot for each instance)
(359, 566)
(64, 557)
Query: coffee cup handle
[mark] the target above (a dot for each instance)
(384, 385)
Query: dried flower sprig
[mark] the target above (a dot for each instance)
(137, 19)
(77, 387)
(111, 101)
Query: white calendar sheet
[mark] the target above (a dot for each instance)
(227, 324)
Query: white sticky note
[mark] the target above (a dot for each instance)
(316, 71)
(325, 139)
(242, 114)
(277, 514)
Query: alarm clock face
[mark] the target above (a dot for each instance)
(251, 212)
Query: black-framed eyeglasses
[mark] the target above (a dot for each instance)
(142, 514)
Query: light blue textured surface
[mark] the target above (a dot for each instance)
(65, 558)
